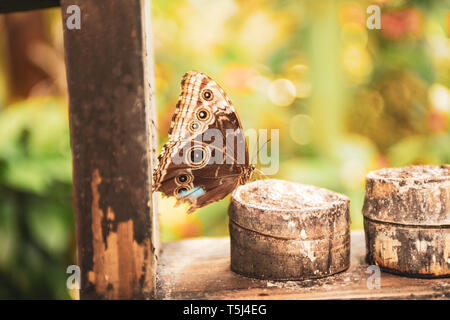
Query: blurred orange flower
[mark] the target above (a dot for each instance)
(401, 24)
(436, 120)
(447, 20)
(352, 13)
(238, 77)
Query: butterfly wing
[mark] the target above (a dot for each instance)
(206, 156)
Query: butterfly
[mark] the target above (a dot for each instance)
(206, 156)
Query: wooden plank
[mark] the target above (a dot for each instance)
(111, 106)
(24, 5)
(200, 269)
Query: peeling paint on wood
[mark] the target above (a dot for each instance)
(118, 262)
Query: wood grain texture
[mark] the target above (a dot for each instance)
(416, 251)
(414, 195)
(109, 74)
(25, 5)
(200, 269)
(407, 219)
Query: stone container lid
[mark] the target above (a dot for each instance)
(289, 210)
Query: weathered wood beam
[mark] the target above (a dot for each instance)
(111, 105)
(7, 6)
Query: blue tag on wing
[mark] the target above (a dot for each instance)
(192, 193)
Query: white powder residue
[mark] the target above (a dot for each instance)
(274, 194)
(424, 172)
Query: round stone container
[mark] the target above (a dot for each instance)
(407, 220)
(282, 230)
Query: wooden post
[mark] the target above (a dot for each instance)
(111, 106)
(25, 5)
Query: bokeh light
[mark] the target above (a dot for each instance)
(300, 129)
(439, 97)
(281, 92)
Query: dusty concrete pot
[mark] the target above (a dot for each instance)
(288, 231)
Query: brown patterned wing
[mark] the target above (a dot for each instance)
(206, 156)
(199, 94)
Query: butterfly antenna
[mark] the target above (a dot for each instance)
(256, 154)
(258, 171)
(261, 174)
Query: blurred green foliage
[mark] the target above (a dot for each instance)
(346, 100)
(36, 216)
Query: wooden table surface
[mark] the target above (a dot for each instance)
(200, 269)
